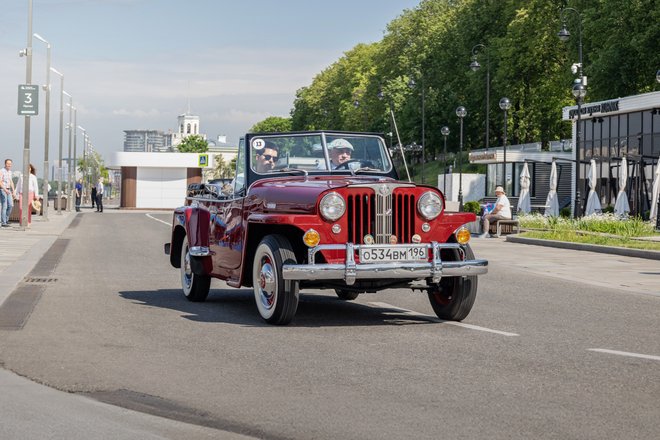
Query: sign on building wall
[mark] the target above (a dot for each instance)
(203, 160)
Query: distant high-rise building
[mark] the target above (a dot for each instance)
(145, 141)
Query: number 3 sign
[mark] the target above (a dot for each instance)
(28, 100)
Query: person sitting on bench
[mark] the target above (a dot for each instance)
(502, 210)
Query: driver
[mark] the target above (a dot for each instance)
(266, 159)
(340, 152)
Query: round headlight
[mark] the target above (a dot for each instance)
(429, 205)
(332, 206)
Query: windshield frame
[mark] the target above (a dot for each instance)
(370, 151)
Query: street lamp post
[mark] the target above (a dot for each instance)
(47, 127)
(579, 92)
(474, 65)
(58, 202)
(70, 127)
(564, 36)
(26, 138)
(505, 104)
(461, 112)
(445, 132)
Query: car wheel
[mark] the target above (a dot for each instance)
(453, 298)
(195, 287)
(276, 298)
(346, 295)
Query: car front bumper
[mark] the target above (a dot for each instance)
(350, 271)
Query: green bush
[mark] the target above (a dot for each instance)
(565, 212)
(472, 206)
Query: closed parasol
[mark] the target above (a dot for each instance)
(593, 202)
(552, 203)
(656, 192)
(622, 207)
(524, 203)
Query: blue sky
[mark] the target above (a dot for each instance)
(133, 64)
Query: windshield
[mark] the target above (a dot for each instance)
(319, 153)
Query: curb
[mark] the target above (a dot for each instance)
(626, 252)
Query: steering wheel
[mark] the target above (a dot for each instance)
(363, 164)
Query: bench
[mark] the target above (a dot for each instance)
(506, 226)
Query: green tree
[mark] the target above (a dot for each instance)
(272, 124)
(193, 144)
(222, 170)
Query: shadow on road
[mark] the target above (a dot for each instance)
(237, 307)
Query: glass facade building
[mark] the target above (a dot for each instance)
(613, 129)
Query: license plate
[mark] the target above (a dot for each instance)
(380, 254)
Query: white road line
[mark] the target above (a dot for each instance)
(435, 319)
(157, 219)
(626, 353)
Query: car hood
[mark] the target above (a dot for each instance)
(297, 195)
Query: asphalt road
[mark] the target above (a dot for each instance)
(539, 356)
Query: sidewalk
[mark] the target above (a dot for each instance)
(21, 249)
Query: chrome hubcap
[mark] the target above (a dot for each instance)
(267, 283)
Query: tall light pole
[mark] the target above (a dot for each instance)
(75, 161)
(564, 36)
(505, 104)
(58, 202)
(579, 92)
(474, 65)
(26, 138)
(445, 132)
(47, 127)
(461, 112)
(70, 127)
(412, 85)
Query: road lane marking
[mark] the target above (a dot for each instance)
(436, 319)
(625, 353)
(157, 219)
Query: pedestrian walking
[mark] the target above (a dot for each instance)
(7, 193)
(93, 196)
(79, 189)
(99, 195)
(33, 194)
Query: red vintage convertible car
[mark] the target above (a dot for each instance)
(322, 210)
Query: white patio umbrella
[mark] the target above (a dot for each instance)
(622, 207)
(552, 202)
(593, 202)
(656, 192)
(524, 203)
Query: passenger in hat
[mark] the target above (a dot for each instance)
(340, 152)
(502, 210)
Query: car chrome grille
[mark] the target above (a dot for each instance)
(380, 213)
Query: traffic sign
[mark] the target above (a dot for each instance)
(28, 100)
(203, 160)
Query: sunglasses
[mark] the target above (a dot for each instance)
(269, 157)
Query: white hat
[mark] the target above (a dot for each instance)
(499, 189)
(340, 143)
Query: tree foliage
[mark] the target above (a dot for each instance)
(272, 124)
(193, 144)
(432, 44)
